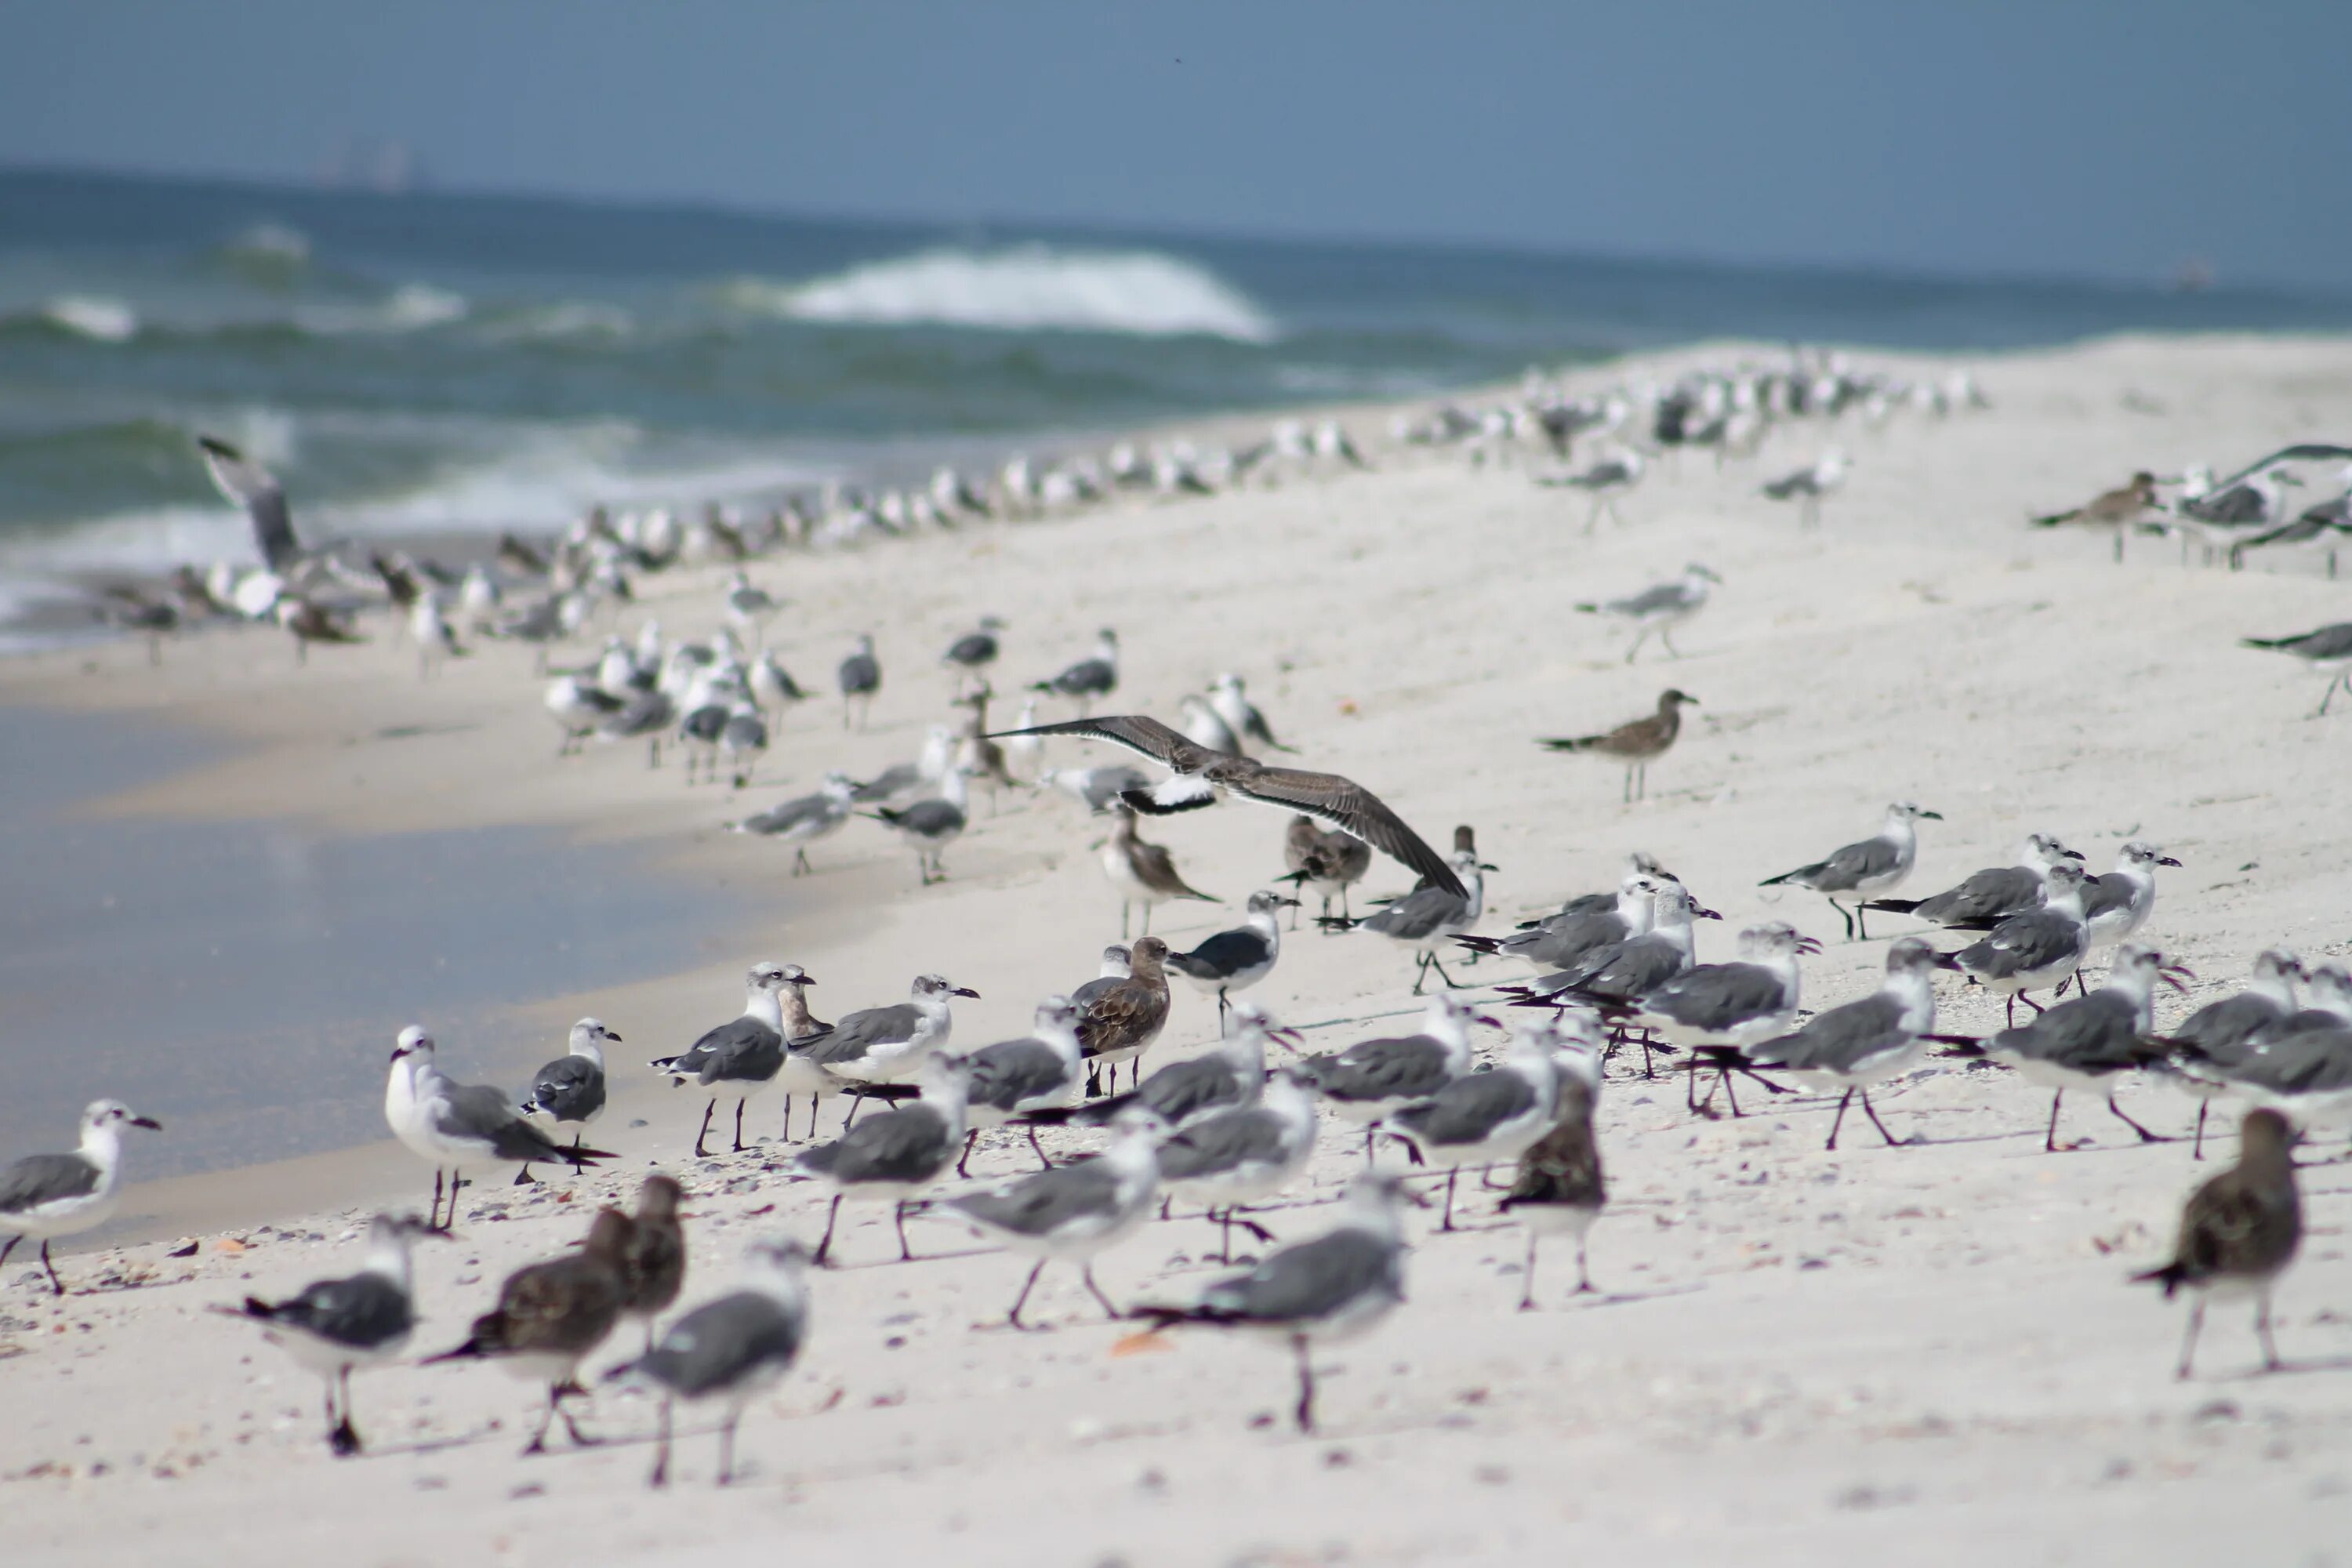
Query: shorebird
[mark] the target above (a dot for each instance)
(653, 1259)
(898, 1154)
(570, 1089)
(1326, 864)
(1232, 705)
(1090, 678)
(859, 677)
(972, 654)
(335, 1327)
(50, 1195)
(928, 827)
(1864, 870)
(451, 1125)
(2116, 509)
(1243, 1154)
(1200, 776)
(2090, 1042)
(1335, 1287)
(551, 1316)
(802, 821)
(1559, 1189)
(743, 1054)
(1144, 873)
(2036, 949)
(1847, 1049)
(2238, 1234)
(1373, 1079)
(1118, 1023)
(731, 1349)
(2205, 1048)
(1984, 899)
(1481, 1118)
(2117, 904)
(2328, 648)
(1429, 917)
(1659, 608)
(1040, 1071)
(1637, 743)
(1238, 959)
(1807, 486)
(889, 1045)
(1072, 1212)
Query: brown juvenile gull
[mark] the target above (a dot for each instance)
(2239, 1233)
(1559, 1189)
(653, 1260)
(2117, 509)
(1144, 873)
(1118, 1023)
(1200, 775)
(1636, 743)
(1326, 864)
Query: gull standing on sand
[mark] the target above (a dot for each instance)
(1847, 1049)
(731, 1349)
(2035, 950)
(1323, 863)
(50, 1195)
(1637, 743)
(2116, 905)
(1862, 871)
(2328, 648)
(930, 826)
(570, 1089)
(1660, 608)
(335, 1327)
(1373, 1080)
(1808, 485)
(653, 1259)
(1230, 701)
(772, 686)
(1040, 1071)
(1481, 1118)
(972, 654)
(749, 608)
(2116, 510)
(859, 677)
(1119, 1022)
(1238, 959)
(1336, 1287)
(1739, 1004)
(1243, 1154)
(1230, 1073)
(436, 640)
(450, 1125)
(1144, 873)
(890, 1043)
(1559, 1189)
(743, 1054)
(802, 821)
(2092, 1041)
(1201, 776)
(580, 708)
(551, 1316)
(1205, 727)
(1560, 940)
(1604, 481)
(1986, 898)
(1429, 917)
(2238, 1234)
(2206, 1047)
(900, 1154)
(1091, 677)
(1622, 971)
(1072, 1212)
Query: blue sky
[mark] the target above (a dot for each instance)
(2110, 138)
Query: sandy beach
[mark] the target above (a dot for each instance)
(1927, 1353)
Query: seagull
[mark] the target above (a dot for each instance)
(572, 1086)
(898, 1154)
(2117, 904)
(741, 741)
(889, 1045)
(308, 623)
(2238, 1234)
(1482, 1119)
(1429, 917)
(859, 676)
(50, 1195)
(647, 713)
(974, 652)
(749, 607)
(731, 1350)
(803, 820)
(1205, 727)
(772, 686)
(744, 1054)
(1230, 1073)
(1098, 789)
(436, 640)
(2206, 1047)
(2328, 648)
(928, 827)
(1143, 872)
(1623, 971)
(1118, 1023)
(1559, 1189)
(1240, 715)
(1238, 959)
(2035, 950)
(1739, 1004)
(1324, 863)
(1660, 608)
(1863, 870)
(1807, 486)
(1373, 1079)
(1604, 481)
(1637, 743)
(1243, 1154)
(551, 1316)
(1072, 1212)
(450, 1124)
(2091, 1041)
(334, 1327)
(1849, 1048)
(1984, 899)
(1202, 776)
(1090, 678)
(1561, 940)
(257, 489)
(2118, 509)
(1040, 1071)
(1337, 1285)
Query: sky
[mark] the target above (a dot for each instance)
(2092, 138)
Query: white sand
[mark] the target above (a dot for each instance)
(1928, 1353)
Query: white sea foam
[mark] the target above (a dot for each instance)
(93, 316)
(1028, 286)
(411, 307)
(274, 242)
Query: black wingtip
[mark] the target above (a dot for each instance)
(220, 448)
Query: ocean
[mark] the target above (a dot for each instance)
(431, 363)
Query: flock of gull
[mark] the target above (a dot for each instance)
(1615, 979)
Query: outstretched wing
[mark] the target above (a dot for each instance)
(257, 489)
(2302, 452)
(1345, 804)
(1136, 732)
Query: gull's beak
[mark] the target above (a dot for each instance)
(1807, 944)
(1288, 1036)
(1293, 903)
(2071, 854)
(1933, 816)
(2174, 976)
(965, 991)
(1415, 1199)
(614, 1038)
(1482, 866)
(1702, 913)
(149, 1122)
(1490, 1023)
(398, 1052)
(1948, 961)
(2165, 860)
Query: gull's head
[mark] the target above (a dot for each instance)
(2140, 853)
(1058, 1013)
(1911, 811)
(412, 1042)
(2332, 981)
(657, 1198)
(839, 785)
(1675, 903)
(1642, 861)
(111, 1115)
(1776, 939)
(2141, 966)
(2063, 878)
(2047, 849)
(1917, 955)
(796, 977)
(1147, 950)
(1231, 682)
(1265, 901)
(1252, 1018)
(1577, 1031)
(1672, 698)
(1455, 1010)
(1115, 959)
(1702, 573)
(593, 1032)
(2276, 965)
(939, 987)
(1379, 1197)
